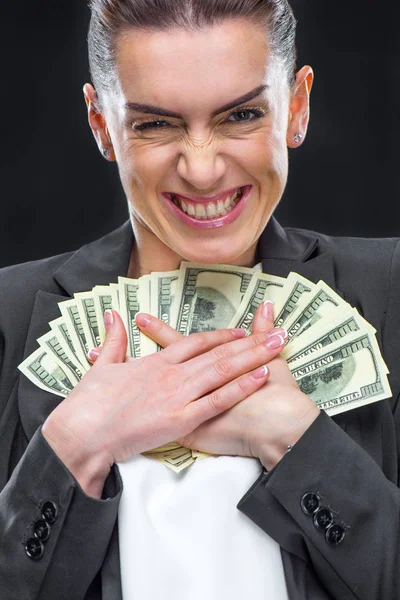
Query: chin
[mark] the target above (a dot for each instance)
(214, 254)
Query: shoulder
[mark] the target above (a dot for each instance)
(19, 285)
(349, 249)
(23, 280)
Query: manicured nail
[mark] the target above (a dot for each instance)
(93, 354)
(268, 310)
(260, 373)
(142, 319)
(108, 318)
(239, 333)
(275, 342)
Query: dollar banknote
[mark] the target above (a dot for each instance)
(163, 291)
(105, 298)
(345, 375)
(47, 374)
(311, 308)
(207, 298)
(261, 287)
(293, 291)
(129, 305)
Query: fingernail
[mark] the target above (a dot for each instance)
(93, 354)
(239, 333)
(108, 318)
(268, 310)
(275, 342)
(260, 373)
(142, 319)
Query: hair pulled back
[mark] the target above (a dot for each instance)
(109, 18)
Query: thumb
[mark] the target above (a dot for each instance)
(115, 343)
(264, 317)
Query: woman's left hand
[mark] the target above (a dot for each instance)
(264, 424)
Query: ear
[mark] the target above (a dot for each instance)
(97, 123)
(299, 107)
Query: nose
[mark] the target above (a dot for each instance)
(201, 166)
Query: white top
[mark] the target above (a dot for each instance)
(181, 536)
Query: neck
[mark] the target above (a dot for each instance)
(150, 254)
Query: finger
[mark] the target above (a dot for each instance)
(264, 317)
(224, 351)
(157, 330)
(226, 397)
(115, 343)
(198, 343)
(94, 354)
(227, 369)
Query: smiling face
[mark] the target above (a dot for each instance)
(199, 124)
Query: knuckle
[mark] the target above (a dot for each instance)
(223, 369)
(243, 385)
(221, 352)
(112, 341)
(215, 401)
(261, 351)
(199, 342)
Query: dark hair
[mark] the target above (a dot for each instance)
(111, 17)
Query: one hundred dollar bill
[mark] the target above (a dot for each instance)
(163, 291)
(148, 346)
(105, 298)
(72, 318)
(41, 368)
(208, 297)
(262, 287)
(342, 323)
(61, 330)
(87, 313)
(345, 375)
(313, 307)
(129, 305)
(293, 291)
(50, 342)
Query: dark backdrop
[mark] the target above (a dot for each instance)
(57, 192)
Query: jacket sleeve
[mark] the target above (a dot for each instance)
(43, 496)
(352, 470)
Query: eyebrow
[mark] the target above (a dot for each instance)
(157, 110)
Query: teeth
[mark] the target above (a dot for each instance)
(210, 210)
(200, 211)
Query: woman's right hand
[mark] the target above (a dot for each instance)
(125, 407)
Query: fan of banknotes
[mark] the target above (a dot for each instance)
(331, 350)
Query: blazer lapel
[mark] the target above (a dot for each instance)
(284, 251)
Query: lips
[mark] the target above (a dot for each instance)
(208, 208)
(209, 212)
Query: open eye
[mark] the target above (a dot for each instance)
(245, 115)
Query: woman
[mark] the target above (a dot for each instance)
(196, 102)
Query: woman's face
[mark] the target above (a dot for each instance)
(199, 124)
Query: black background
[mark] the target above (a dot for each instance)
(57, 192)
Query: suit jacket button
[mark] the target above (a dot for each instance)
(310, 503)
(335, 534)
(34, 548)
(49, 512)
(323, 518)
(41, 530)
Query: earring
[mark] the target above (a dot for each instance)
(106, 152)
(297, 138)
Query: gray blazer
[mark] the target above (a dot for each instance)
(350, 461)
